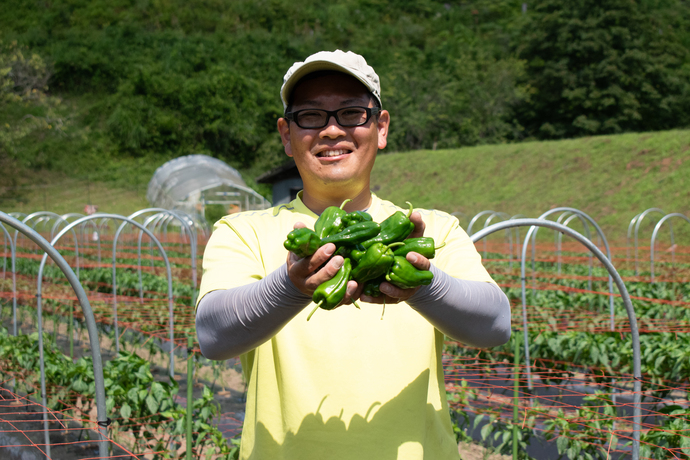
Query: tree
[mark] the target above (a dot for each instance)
(601, 67)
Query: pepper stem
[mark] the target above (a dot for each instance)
(315, 308)
(384, 308)
(344, 203)
(409, 213)
(354, 302)
(394, 245)
(439, 247)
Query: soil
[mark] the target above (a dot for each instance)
(22, 433)
(470, 451)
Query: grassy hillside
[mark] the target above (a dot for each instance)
(611, 178)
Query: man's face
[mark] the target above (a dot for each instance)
(334, 155)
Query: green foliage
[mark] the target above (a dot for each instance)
(214, 212)
(589, 433)
(22, 352)
(23, 76)
(27, 112)
(665, 356)
(671, 437)
(127, 280)
(136, 402)
(203, 77)
(214, 109)
(604, 67)
(461, 95)
(501, 432)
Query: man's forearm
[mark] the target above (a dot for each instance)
(234, 321)
(474, 312)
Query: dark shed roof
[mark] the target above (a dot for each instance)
(285, 171)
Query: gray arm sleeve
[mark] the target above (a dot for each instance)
(476, 313)
(234, 321)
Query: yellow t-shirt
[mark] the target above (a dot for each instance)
(347, 385)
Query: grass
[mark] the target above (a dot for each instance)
(62, 195)
(611, 178)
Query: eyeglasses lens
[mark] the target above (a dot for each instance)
(314, 118)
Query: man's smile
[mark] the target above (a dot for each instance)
(333, 153)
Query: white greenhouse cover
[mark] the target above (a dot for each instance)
(187, 183)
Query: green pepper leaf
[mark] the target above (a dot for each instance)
(152, 404)
(125, 411)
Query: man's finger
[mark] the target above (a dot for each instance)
(419, 226)
(326, 273)
(305, 273)
(312, 263)
(395, 292)
(418, 260)
(391, 294)
(351, 292)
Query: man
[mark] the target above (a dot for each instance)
(348, 384)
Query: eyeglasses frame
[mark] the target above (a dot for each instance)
(370, 111)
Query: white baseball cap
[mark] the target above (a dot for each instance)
(340, 61)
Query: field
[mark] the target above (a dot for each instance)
(99, 360)
(575, 396)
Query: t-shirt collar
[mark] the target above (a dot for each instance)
(303, 209)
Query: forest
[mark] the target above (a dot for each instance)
(87, 84)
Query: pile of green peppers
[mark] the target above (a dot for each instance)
(373, 252)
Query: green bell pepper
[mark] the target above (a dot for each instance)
(372, 287)
(330, 221)
(356, 217)
(406, 276)
(395, 228)
(303, 242)
(374, 263)
(424, 246)
(354, 253)
(353, 234)
(330, 293)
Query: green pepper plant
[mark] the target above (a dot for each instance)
(137, 402)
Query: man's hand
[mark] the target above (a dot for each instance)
(307, 274)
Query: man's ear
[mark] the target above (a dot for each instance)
(382, 124)
(284, 130)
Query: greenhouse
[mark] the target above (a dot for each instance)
(195, 183)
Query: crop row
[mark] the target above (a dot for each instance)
(142, 407)
(567, 334)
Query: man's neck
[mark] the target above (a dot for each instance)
(318, 202)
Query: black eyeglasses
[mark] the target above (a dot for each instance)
(346, 117)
